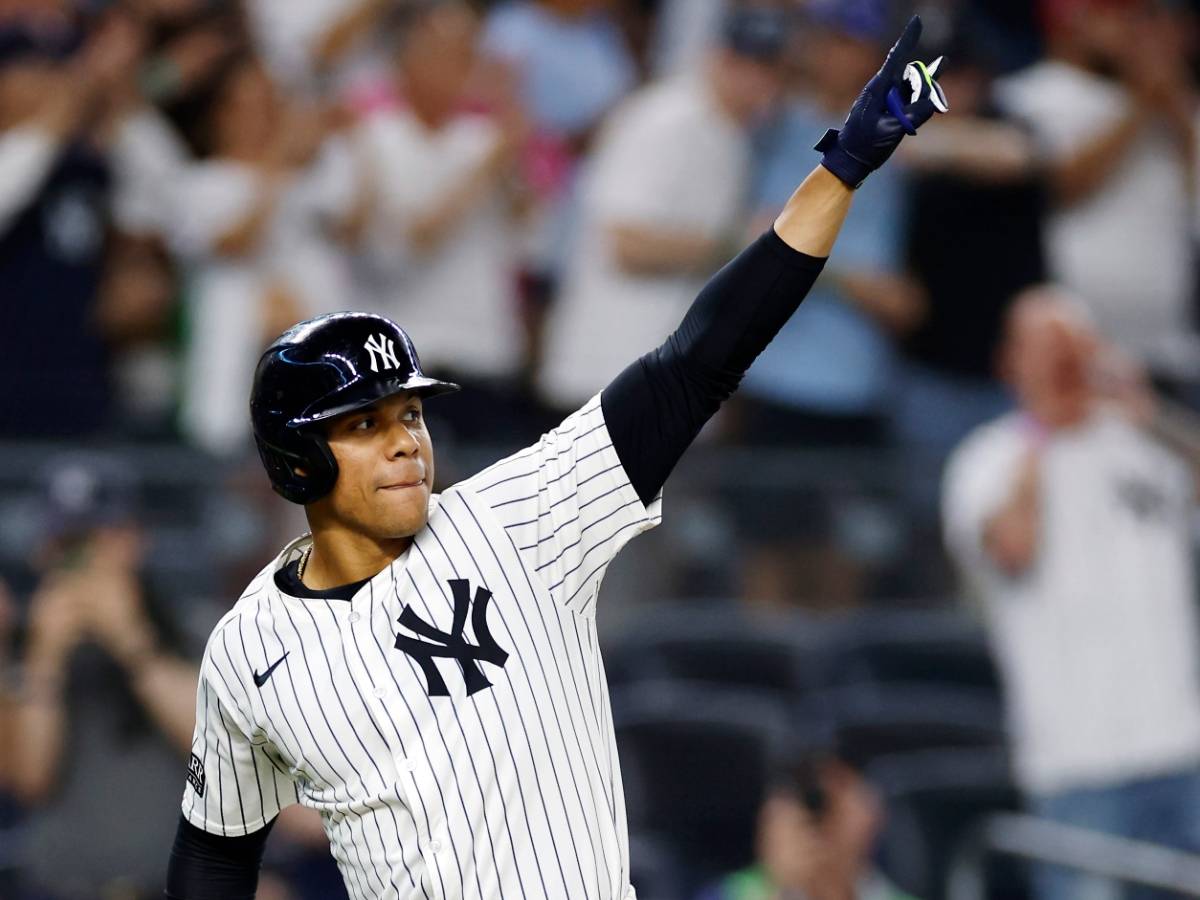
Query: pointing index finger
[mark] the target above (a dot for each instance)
(902, 50)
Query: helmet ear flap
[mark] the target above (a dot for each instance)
(303, 473)
(321, 468)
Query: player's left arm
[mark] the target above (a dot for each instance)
(657, 406)
(573, 500)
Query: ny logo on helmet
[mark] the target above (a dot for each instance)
(383, 352)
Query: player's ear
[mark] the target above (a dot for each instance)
(300, 470)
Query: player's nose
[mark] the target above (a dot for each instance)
(401, 442)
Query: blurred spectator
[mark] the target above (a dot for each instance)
(971, 168)
(105, 708)
(147, 154)
(826, 379)
(135, 311)
(1114, 109)
(259, 224)
(685, 32)
(648, 238)
(571, 65)
(54, 216)
(1071, 520)
(441, 220)
(816, 831)
(307, 43)
(570, 61)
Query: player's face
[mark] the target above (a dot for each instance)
(385, 468)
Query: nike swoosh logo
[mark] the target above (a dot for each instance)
(260, 680)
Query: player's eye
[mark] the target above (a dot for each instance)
(364, 424)
(412, 415)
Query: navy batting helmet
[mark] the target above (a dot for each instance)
(319, 369)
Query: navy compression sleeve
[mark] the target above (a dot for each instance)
(657, 406)
(211, 867)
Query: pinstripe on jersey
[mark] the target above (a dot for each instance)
(512, 791)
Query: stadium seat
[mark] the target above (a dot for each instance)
(654, 869)
(724, 648)
(873, 721)
(919, 647)
(936, 802)
(678, 745)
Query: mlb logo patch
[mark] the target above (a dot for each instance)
(195, 774)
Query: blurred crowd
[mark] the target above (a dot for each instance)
(536, 190)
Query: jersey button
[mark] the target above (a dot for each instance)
(354, 617)
(380, 691)
(435, 846)
(405, 765)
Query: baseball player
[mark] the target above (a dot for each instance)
(423, 669)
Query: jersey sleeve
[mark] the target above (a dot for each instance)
(568, 505)
(235, 785)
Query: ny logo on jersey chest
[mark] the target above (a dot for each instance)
(452, 644)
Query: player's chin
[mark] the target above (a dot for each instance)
(402, 513)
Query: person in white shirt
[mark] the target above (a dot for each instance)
(1114, 110)
(440, 229)
(648, 237)
(309, 45)
(570, 62)
(1070, 519)
(683, 33)
(257, 225)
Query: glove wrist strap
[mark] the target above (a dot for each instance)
(851, 171)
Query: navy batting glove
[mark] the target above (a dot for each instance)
(897, 101)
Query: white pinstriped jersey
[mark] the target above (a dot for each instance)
(451, 722)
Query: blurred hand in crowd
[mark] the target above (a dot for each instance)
(895, 299)
(90, 591)
(196, 53)
(113, 609)
(64, 96)
(1159, 74)
(248, 116)
(56, 623)
(816, 842)
(113, 51)
(789, 843)
(1121, 381)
